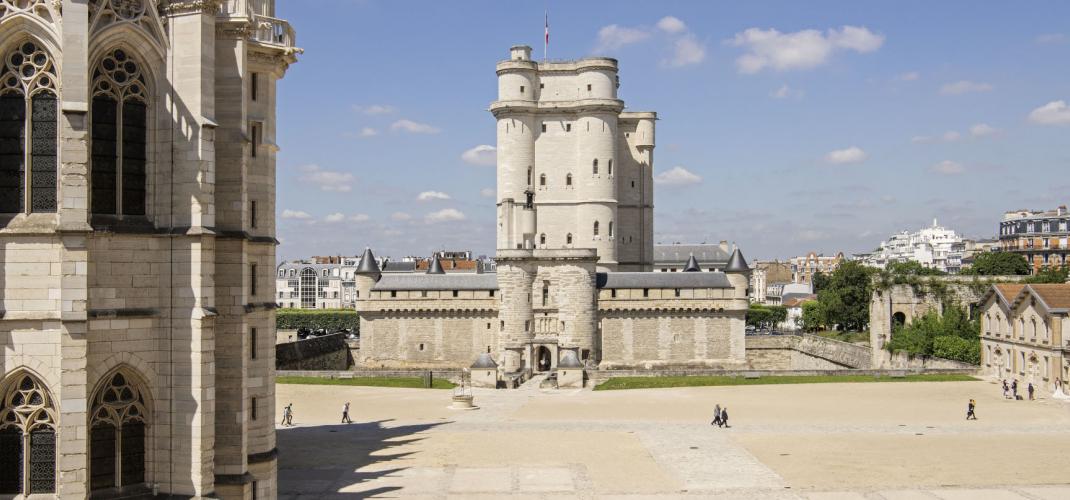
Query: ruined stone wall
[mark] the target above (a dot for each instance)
(329, 352)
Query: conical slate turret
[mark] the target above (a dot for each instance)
(692, 265)
(736, 263)
(368, 265)
(435, 267)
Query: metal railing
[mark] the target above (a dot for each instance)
(273, 31)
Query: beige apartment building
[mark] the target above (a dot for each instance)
(137, 243)
(803, 268)
(1025, 333)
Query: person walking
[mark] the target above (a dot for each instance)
(724, 416)
(1006, 390)
(288, 415)
(971, 410)
(1014, 389)
(1030, 389)
(716, 415)
(345, 414)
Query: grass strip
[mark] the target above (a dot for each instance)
(406, 382)
(618, 383)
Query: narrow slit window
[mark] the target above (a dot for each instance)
(594, 166)
(254, 84)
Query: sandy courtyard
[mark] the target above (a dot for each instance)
(874, 441)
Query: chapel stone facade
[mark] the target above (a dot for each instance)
(137, 245)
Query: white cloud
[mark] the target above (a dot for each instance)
(444, 215)
(909, 76)
(412, 127)
(400, 216)
(335, 217)
(1052, 113)
(672, 25)
(375, 109)
(846, 156)
(982, 130)
(614, 37)
(482, 154)
(327, 180)
(487, 192)
(432, 195)
(677, 176)
(368, 132)
(963, 87)
(806, 49)
(948, 167)
(1050, 39)
(358, 218)
(951, 136)
(687, 50)
(295, 214)
(785, 92)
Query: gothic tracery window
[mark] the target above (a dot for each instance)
(28, 140)
(27, 438)
(119, 119)
(117, 434)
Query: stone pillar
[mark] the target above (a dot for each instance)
(880, 332)
(515, 315)
(73, 197)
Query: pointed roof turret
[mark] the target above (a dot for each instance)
(435, 267)
(569, 360)
(736, 263)
(484, 361)
(368, 265)
(692, 265)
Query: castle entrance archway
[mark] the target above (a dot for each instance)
(543, 359)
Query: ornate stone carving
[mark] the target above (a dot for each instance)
(119, 77)
(190, 6)
(27, 70)
(46, 10)
(139, 13)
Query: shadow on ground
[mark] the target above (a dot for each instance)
(336, 460)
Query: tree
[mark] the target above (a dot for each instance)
(951, 335)
(998, 264)
(845, 299)
(820, 281)
(757, 315)
(777, 314)
(912, 268)
(813, 317)
(1050, 274)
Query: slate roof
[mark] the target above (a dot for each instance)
(422, 281)
(663, 280)
(705, 253)
(435, 267)
(569, 360)
(484, 361)
(736, 263)
(367, 263)
(692, 265)
(399, 267)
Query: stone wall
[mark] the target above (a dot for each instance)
(649, 339)
(804, 352)
(431, 339)
(329, 352)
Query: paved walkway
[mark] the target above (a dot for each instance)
(658, 444)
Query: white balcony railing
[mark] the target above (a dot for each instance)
(273, 31)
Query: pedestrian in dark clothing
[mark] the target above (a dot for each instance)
(345, 414)
(1014, 389)
(1030, 389)
(1006, 390)
(970, 410)
(724, 416)
(716, 415)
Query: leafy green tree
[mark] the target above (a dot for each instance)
(1050, 274)
(912, 268)
(777, 314)
(813, 317)
(820, 281)
(957, 348)
(951, 335)
(998, 264)
(758, 315)
(845, 299)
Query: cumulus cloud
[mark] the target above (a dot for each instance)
(295, 214)
(482, 154)
(368, 132)
(432, 195)
(444, 215)
(400, 216)
(982, 130)
(614, 36)
(335, 217)
(672, 25)
(677, 176)
(327, 180)
(1052, 113)
(487, 192)
(909, 76)
(686, 50)
(964, 87)
(948, 167)
(412, 127)
(785, 92)
(358, 218)
(806, 49)
(846, 156)
(374, 109)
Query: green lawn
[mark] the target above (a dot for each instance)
(701, 381)
(408, 382)
(851, 337)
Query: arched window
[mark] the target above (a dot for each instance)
(542, 239)
(118, 123)
(568, 180)
(610, 229)
(542, 180)
(117, 434)
(596, 228)
(568, 239)
(594, 166)
(27, 437)
(609, 167)
(28, 118)
(308, 288)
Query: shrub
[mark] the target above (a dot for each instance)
(329, 319)
(958, 349)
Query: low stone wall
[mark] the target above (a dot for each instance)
(451, 375)
(598, 376)
(804, 352)
(901, 360)
(328, 352)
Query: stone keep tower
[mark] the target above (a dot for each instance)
(563, 137)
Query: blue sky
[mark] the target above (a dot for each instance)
(823, 126)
